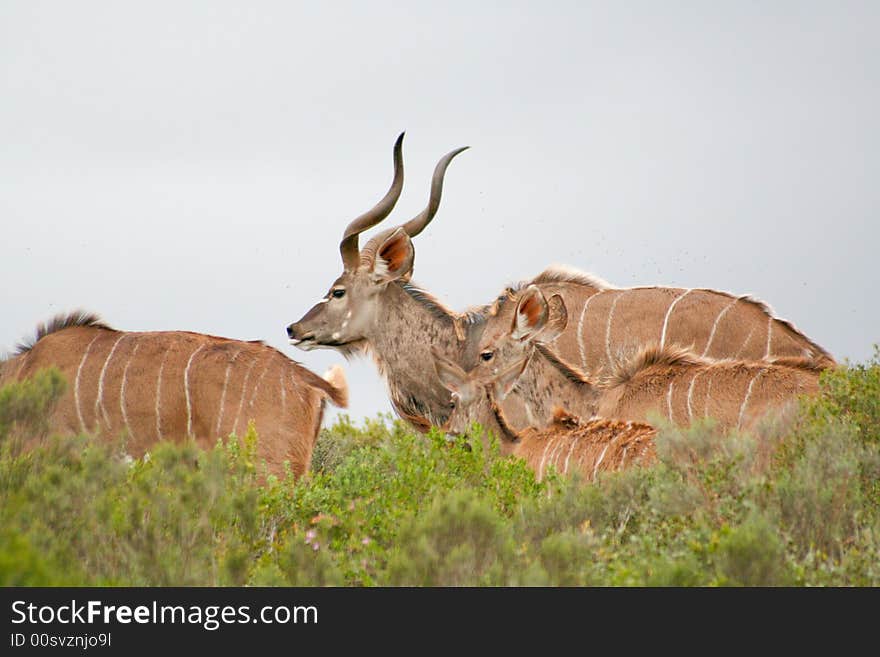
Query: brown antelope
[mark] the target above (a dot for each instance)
(666, 380)
(608, 323)
(173, 385)
(373, 307)
(566, 443)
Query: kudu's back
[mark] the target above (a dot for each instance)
(586, 446)
(608, 324)
(174, 385)
(682, 388)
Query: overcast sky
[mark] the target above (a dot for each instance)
(192, 165)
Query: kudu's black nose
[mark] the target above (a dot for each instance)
(291, 330)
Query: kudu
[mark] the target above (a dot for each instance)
(609, 324)
(666, 380)
(567, 443)
(373, 307)
(173, 385)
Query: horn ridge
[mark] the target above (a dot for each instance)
(418, 223)
(348, 247)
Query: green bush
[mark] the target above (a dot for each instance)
(459, 541)
(793, 503)
(25, 407)
(751, 554)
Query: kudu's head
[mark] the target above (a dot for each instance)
(341, 319)
(475, 399)
(535, 320)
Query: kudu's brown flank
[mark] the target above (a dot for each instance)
(609, 324)
(668, 381)
(567, 443)
(173, 385)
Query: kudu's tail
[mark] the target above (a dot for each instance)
(337, 389)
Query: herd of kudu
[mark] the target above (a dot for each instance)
(566, 370)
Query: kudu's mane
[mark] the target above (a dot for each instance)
(438, 309)
(565, 421)
(565, 274)
(562, 419)
(59, 323)
(571, 373)
(553, 274)
(806, 364)
(654, 356)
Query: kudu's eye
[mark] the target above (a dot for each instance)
(487, 355)
(338, 293)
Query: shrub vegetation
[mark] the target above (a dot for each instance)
(797, 502)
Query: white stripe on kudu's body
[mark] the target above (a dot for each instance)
(223, 394)
(669, 401)
(570, 450)
(544, 458)
(745, 343)
(82, 423)
(122, 390)
(99, 399)
(715, 325)
(283, 393)
(742, 409)
(243, 395)
(599, 462)
(159, 398)
(608, 325)
(666, 318)
(708, 397)
(690, 395)
(189, 432)
(151, 409)
(263, 371)
(580, 333)
(557, 453)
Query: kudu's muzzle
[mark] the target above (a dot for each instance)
(300, 333)
(300, 337)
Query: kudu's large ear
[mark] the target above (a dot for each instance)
(557, 319)
(531, 314)
(504, 382)
(394, 258)
(453, 378)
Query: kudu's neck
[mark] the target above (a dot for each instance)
(408, 324)
(508, 437)
(548, 383)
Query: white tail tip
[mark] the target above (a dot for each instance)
(335, 376)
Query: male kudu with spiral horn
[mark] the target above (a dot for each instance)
(373, 307)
